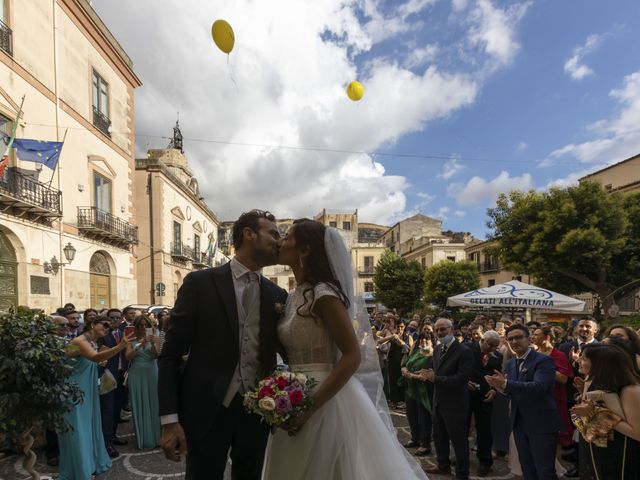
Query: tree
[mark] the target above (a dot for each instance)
(33, 373)
(398, 282)
(575, 239)
(446, 279)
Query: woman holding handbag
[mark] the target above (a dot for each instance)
(608, 416)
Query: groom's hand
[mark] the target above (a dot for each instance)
(173, 441)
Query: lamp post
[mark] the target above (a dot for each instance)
(53, 266)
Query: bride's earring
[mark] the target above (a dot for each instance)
(301, 264)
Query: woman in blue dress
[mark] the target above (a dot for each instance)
(143, 383)
(82, 450)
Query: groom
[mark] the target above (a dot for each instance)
(224, 319)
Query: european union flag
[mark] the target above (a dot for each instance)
(38, 151)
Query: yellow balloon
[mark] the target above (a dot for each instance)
(223, 36)
(355, 91)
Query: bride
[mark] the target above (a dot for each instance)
(348, 434)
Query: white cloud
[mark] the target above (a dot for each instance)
(442, 213)
(419, 57)
(571, 179)
(614, 138)
(459, 213)
(575, 66)
(522, 146)
(494, 30)
(290, 66)
(450, 168)
(425, 197)
(478, 191)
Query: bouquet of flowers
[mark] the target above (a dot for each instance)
(280, 397)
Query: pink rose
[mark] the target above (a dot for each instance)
(296, 397)
(266, 392)
(282, 382)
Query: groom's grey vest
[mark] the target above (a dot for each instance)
(244, 376)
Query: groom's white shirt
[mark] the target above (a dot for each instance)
(249, 330)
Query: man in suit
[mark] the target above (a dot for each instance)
(485, 361)
(452, 365)
(585, 333)
(529, 382)
(225, 319)
(110, 403)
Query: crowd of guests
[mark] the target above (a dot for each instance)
(532, 394)
(113, 353)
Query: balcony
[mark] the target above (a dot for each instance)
(366, 270)
(181, 252)
(107, 228)
(101, 122)
(24, 197)
(201, 260)
(489, 266)
(6, 39)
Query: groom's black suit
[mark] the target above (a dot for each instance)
(204, 325)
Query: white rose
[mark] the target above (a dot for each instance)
(267, 404)
(288, 376)
(301, 378)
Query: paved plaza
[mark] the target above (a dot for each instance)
(151, 464)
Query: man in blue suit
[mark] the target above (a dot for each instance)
(529, 382)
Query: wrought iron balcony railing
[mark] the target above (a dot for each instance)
(182, 252)
(367, 270)
(489, 266)
(107, 227)
(201, 260)
(21, 195)
(101, 122)
(6, 38)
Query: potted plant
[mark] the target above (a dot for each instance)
(33, 373)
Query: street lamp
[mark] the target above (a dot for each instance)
(69, 252)
(54, 265)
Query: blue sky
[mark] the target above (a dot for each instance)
(513, 94)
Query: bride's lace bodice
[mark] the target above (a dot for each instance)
(306, 339)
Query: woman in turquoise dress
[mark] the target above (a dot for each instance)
(82, 450)
(143, 383)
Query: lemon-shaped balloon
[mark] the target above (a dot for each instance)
(223, 36)
(355, 91)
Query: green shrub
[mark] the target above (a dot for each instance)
(33, 370)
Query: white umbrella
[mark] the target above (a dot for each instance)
(515, 294)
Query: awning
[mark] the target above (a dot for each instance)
(515, 294)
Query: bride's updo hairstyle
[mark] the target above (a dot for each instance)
(309, 236)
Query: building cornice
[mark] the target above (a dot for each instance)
(155, 165)
(609, 168)
(88, 21)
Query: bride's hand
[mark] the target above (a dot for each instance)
(294, 424)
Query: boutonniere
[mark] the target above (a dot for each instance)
(279, 308)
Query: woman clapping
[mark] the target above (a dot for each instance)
(82, 449)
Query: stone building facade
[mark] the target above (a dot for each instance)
(67, 235)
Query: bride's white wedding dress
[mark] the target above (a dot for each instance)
(346, 439)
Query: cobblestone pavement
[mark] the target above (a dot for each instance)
(134, 464)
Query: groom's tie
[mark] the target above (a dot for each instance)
(251, 290)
